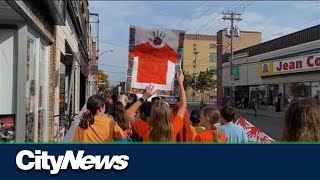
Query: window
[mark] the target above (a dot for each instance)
(36, 90)
(315, 89)
(43, 92)
(213, 45)
(213, 57)
(297, 90)
(8, 79)
(8, 65)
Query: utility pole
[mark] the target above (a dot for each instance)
(195, 73)
(195, 52)
(232, 32)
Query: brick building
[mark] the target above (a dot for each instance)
(33, 47)
(246, 39)
(206, 46)
(74, 50)
(278, 70)
(28, 42)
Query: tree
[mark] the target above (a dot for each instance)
(103, 80)
(188, 80)
(205, 81)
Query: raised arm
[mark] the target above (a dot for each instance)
(129, 114)
(183, 98)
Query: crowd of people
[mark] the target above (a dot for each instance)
(108, 119)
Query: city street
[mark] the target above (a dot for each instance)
(271, 125)
(55, 55)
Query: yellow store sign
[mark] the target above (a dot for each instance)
(304, 63)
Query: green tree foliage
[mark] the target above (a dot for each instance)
(103, 81)
(205, 81)
(188, 80)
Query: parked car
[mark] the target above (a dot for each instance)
(150, 98)
(171, 100)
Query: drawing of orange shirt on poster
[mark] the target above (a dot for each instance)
(153, 62)
(154, 57)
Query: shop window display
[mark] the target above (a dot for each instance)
(296, 90)
(36, 90)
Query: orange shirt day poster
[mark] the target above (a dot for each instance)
(155, 55)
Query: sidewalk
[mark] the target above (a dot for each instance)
(262, 112)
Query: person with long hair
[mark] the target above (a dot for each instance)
(163, 127)
(118, 115)
(187, 133)
(302, 121)
(209, 116)
(95, 126)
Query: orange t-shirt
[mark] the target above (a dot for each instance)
(207, 136)
(153, 62)
(104, 129)
(144, 128)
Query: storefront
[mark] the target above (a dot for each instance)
(26, 69)
(277, 71)
(298, 75)
(300, 90)
(8, 78)
(35, 78)
(264, 95)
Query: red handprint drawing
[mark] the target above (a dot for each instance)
(253, 132)
(242, 122)
(157, 38)
(264, 138)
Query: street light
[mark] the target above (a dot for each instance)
(111, 50)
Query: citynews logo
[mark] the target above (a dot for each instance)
(40, 160)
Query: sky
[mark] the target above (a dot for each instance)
(272, 18)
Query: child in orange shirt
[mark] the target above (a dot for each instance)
(208, 117)
(95, 126)
(187, 133)
(163, 128)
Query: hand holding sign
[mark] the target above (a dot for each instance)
(180, 77)
(149, 91)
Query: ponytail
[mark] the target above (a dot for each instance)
(94, 103)
(216, 134)
(213, 115)
(86, 120)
